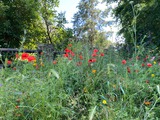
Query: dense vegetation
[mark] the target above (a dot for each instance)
(86, 81)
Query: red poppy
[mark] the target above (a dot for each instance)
(124, 62)
(143, 64)
(17, 56)
(95, 50)
(92, 60)
(72, 53)
(94, 54)
(14, 68)
(31, 58)
(9, 62)
(128, 70)
(80, 57)
(67, 50)
(149, 64)
(69, 45)
(25, 56)
(101, 54)
(54, 62)
(66, 55)
(69, 58)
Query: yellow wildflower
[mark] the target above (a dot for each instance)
(104, 102)
(154, 62)
(93, 71)
(34, 64)
(152, 75)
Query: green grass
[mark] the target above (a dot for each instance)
(67, 91)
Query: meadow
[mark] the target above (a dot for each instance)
(81, 84)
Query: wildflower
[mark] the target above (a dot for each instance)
(101, 54)
(152, 75)
(69, 45)
(104, 102)
(67, 50)
(34, 64)
(143, 64)
(0, 85)
(149, 64)
(94, 54)
(153, 58)
(69, 58)
(136, 71)
(17, 107)
(31, 58)
(80, 57)
(93, 71)
(66, 55)
(95, 50)
(17, 56)
(42, 64)
(54, 62)
(124, 62)
(137, 57)
(154, 62)
(147, 102)
(92, 60)
(14, 68)
(24, 56)
(9, 62)
(85, 90)
(128, 70)
(72, 53)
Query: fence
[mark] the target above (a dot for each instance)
(47, 50)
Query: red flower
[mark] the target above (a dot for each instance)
(66, 55)
(80, 57)
(17, 56)
(95, 50)
(72, 53)
(92, 60)
(149, 64)
(67, 50)
(17, 107)
(31, 58)
(54, 62)
(69, 45)
(9, 62)
(143, 64)
(94, 54)
(128, 70)
(14, 68)
(124, 62)
(101, 54)
(25, 56)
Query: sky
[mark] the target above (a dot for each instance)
(70, 7)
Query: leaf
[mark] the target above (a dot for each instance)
(55, 73)
(92, 113)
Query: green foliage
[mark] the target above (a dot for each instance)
(88, 21)
(72, 87)
(136, 16)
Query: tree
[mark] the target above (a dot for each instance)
(25, 15)
(87, 21)
(139, 24)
